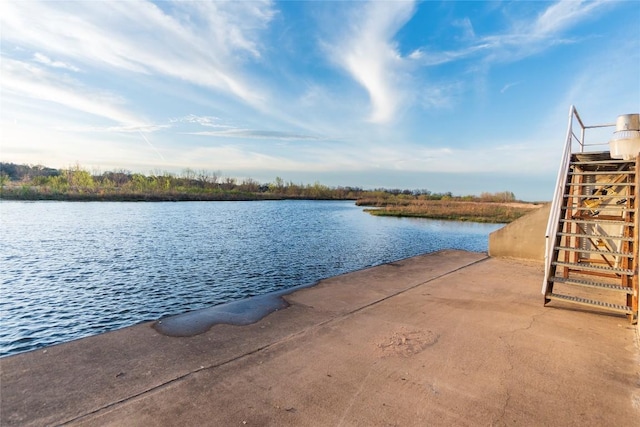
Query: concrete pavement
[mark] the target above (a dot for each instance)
(450, 338)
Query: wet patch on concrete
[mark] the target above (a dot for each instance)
(243, 312)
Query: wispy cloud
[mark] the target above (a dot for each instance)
(206, 121)
(93, 129)
(43, 59)
(23, 79)
(439, 96)
(256, 134)
(528, 37)
(367, 52)
(431, 57)
(140, 37)
(562, 15)
(524, 36)
(153, 147)
(508, 86)
(216, 128)
(467, 28)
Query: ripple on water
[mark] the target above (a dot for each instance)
(71, 270)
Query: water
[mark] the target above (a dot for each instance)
(70, 270)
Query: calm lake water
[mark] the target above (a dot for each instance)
(70, 270)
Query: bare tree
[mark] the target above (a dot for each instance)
(228, 183)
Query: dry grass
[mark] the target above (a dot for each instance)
(454, 210)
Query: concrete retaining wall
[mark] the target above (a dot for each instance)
(523, 238)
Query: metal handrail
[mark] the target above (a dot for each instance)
(561, 183)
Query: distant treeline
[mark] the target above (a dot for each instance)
(29, 182)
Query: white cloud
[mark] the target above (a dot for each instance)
(563, 15)
(140, 37)
(216, 128)
(527, 38)
(22, 79)
(467, 28)
(234, 26)
(508, 86)
(440, 96)
(153, 147)
(524, 38)
(43, 59)
(368, 54)
(206, 121)
(256, 134)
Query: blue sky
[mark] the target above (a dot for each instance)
(453, 96)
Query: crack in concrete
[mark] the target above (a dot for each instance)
(509, 355)
(355, 395)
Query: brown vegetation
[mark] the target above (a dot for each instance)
(451, 209)
(22, 182)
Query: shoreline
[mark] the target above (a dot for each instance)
(154, 198)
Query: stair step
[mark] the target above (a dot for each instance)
(590, 284)
(601, 162)
(608, 208)
(614, 218)
(599, 196)
(618, 308)
(594, 236)
(594, 251)
(592, 155)
(598, 184)
(589, 267)
(583, 173)
(596, 220)
(602, 217)
(598, 157)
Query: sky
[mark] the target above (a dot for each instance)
(447, 96)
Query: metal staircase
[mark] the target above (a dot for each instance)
(592, 235)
